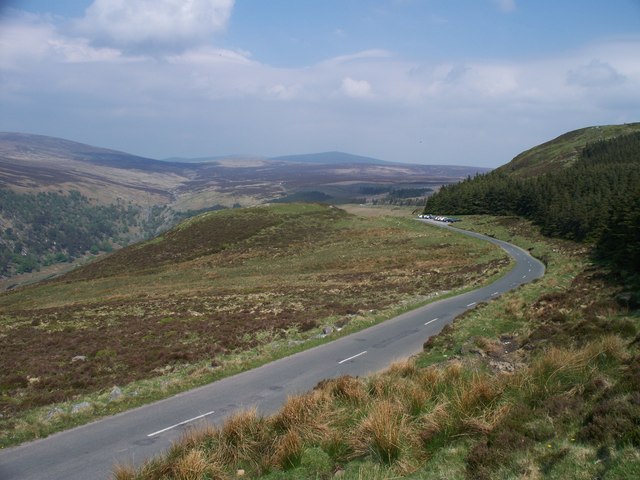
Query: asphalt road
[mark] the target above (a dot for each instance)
(90, 451)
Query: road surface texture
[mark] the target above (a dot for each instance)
(90, 451)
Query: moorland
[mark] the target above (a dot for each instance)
(219, 293)
(543, 382)
(62, 202)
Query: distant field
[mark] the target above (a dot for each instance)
(220, 284)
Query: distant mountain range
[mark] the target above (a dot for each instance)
(40, 163)
(60, 199)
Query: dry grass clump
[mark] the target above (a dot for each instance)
(404, 369)
(306, 414)
(191, 466)
(476, 395)
(125, 472)
(558, 369)
(487, 420)
(288, 451)
(245, 438)
(180, 463)
(382, 433)
(415, 399)
(348, 389)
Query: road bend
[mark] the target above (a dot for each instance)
(90, 451)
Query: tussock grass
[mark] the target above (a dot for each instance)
(348, 389)
(288, 451)
(245, 438)
(382, 433)
(305, 414)
(191, 466)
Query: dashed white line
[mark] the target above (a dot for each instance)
(495, 293)
(352, 357)
(431, 321)
(471, 304)
(180, 424)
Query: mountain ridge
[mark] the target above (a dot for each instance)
(562, 151)
(125, 198)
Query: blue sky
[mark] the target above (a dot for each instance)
(469, 82)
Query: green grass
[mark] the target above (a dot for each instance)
(228, 303)
(541, 383)
(564, 150)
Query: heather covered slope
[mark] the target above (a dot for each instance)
(221, 292)
(62, 200)
(543, 382)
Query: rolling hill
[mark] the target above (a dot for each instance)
(102, 199)
(584, 190)
(39, 163)
(217, 293)
(563, 151)
(542, 382)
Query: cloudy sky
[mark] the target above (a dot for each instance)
(470, 82)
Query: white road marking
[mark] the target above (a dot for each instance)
(431, 321)
(471, 304)
(495, 293)
(351, 358)
(180, 424)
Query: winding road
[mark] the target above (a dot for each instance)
(90, 451)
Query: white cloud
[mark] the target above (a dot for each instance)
(595, 74)
(282, 92)
(506, 5)
(356, 88)
(27, 40)
(24, 40)
(152, 25)
(59, 83)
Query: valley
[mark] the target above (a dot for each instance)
(108, 199)
(540, 381)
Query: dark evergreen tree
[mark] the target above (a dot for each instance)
(595, 200)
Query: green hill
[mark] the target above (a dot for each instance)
(221, 292)
(589, 191)
(563, 151)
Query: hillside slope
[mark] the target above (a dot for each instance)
(563, 151)
(594, 199)
(216, 294)
(62, 200)
(33, 163)
(543, 382)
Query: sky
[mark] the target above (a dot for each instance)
(453, 82)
